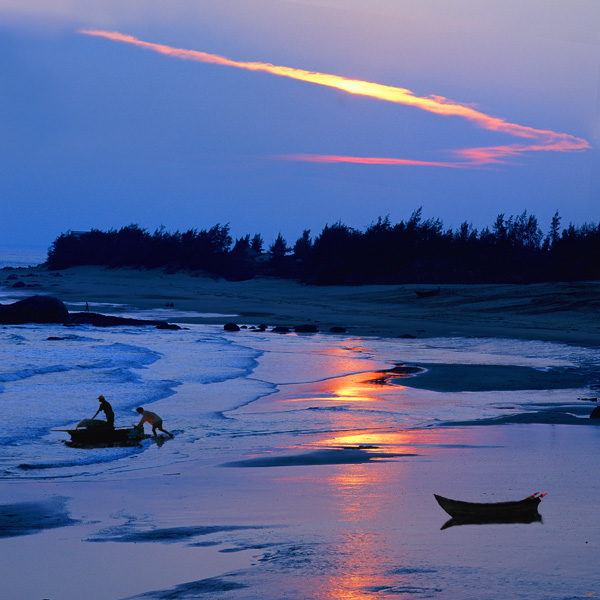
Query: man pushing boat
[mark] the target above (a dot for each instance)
(153, 419)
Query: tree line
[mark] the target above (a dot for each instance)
(416, 250)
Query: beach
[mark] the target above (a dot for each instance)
(556, 311)
(303, 465)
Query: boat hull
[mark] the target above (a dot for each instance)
(95, 437)
(458, 509)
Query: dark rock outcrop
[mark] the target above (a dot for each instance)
(306, 329)
(231, 327)
(46, 309)
(337, 329)
(595, 413)
(36, 309)
(99, 320)
(280, 329)
(167, 326)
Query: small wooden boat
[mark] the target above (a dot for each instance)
(492, 511)
(103, 437)
(427, 293)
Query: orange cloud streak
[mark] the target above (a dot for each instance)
(546, 140)
(328, 158)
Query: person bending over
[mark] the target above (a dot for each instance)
(152, 418)
(108, 411)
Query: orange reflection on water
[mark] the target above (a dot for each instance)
(417, 441)
(403, 440)
(359, 387)
(358, 490)
(363, 494)
(358, 580)
(367, 497)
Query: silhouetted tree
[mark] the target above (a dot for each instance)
(257, 243)
(554, 234)
(241, 246)
(415, 250)
(303, 246)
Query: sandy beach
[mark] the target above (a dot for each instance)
(321, 485)
(565, 312)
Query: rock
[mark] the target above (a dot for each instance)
(99, 320)
(46, 309)
(306, 329)
(168, 326)
(231, 327)
(36, 309)
(595, 413)
(337, 329)
(18, 284)
(280, 329)
(408, 336)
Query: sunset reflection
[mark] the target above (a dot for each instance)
(365, 495)
(359, 579)
(358, 432)
(375, 386)
(362, 493)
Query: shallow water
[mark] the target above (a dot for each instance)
(300, 467)
(245, 390)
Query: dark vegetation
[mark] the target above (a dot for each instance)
(413, 251)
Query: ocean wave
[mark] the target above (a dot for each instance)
(32, 372)
(240, 360)
(127, 355)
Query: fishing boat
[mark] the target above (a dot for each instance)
(492, 511)
(97, 434)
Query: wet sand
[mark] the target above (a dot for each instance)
(326, 530)
(490, 378)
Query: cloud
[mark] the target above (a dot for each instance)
(541, 140)
(328, 158)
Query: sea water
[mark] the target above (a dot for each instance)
(22, 256)
(250, 410)
(225, 395)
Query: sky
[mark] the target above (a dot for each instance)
(276, 116)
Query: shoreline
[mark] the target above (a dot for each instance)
(560, 312)
(256, 517)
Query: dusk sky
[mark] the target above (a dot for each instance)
(279, 116)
